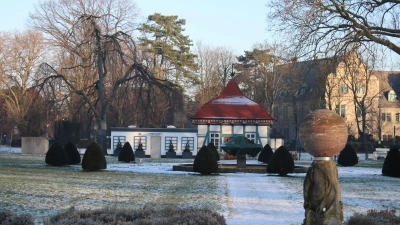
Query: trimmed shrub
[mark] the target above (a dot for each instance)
(73, 154)
(348, 156)
(281, 162)
(205, 161)
(126, 154)
(374, 217)
(56, 155)
(391, 166)
(9, 218)
(214, 150)
(94, 159)
(265, 154)
(146, 215)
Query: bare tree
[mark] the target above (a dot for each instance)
(20, 54)
(330, 26)
(95, 51)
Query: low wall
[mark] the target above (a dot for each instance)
(34, 145)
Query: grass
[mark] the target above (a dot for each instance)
(28, 185)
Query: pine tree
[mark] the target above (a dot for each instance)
(56, 155)
(205, 161)
(214, 150)
(348, 156)
(265, 154)
(94, 159)
(73, 154)
(281, 162)
(126, 154)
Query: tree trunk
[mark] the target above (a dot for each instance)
(103, 136)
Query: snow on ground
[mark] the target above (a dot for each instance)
(269, 199)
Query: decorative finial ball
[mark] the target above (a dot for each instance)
(323, 133)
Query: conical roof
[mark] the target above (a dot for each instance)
(232, 104)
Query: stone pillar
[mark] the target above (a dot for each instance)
(322, 197)
(323, 134)
(241, 161)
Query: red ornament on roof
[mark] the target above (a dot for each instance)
(232, 106)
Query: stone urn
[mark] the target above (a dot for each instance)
(323, 133)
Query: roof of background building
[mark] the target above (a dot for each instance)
(232, 104)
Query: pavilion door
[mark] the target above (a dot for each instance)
(155, 149)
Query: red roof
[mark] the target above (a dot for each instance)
(232, 104)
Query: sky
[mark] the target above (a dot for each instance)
(219, 23)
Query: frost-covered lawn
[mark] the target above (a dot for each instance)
(28, 185)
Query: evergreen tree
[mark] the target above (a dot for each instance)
(205, 161)
(56, 155)
(281, 162)
(214, 150)
(348, 156)
(169, 49)
(265, 154)
(126, 154)
(73, 154)
(391, 166)
(94, 159)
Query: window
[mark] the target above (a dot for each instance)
(285, 112)
(251, 137)
(169, 140)
(360, 88)
(343, 88)
(214, 138)
(187, 141)
(390, 138)
(392, 96)
(383, 117)
(385, 138)
(397, 117)
(341, 110)
(122, 139)
(139, 139)
(388, 117)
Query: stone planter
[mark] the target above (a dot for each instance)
(170, 155)
(140, 154)
(187, 155)
(116, 152)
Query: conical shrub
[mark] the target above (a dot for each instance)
(73, 154)
(126, 154)
(56, 155)
(265, 154)
(94, 159)
(205, 161)
(391, 166)
(281, 162)
(214, 150)
(348, 156)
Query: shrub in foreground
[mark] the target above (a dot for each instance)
(265, 154)
(281, 162)
(94, 159)
(56, 155)
(374, 217)
(9, 218)
(73, 154)
(205, 161)
(348, 156)
(147, 215)
(214, 150)
(126, 154)
(391, 166)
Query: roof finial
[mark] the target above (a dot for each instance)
(232, 73)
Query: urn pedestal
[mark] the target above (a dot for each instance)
(140, 154)
(170, 155)
(323, 134)
(187, 155)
